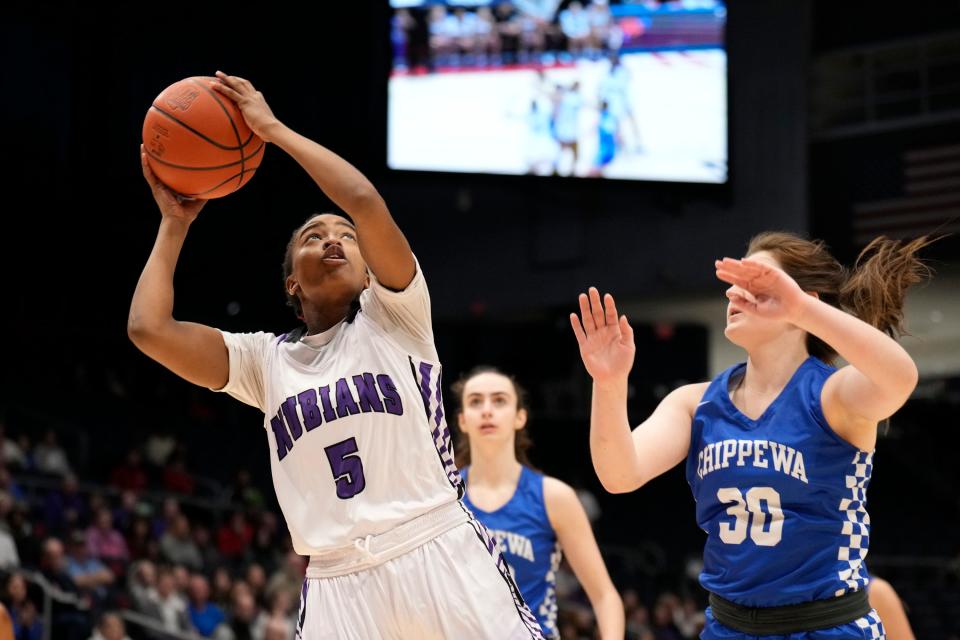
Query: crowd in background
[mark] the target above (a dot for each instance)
(144, 543)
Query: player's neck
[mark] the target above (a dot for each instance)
(320, 319)
(770, 367)
(494, 466)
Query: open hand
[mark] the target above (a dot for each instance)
(606, 341)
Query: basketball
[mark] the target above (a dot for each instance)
(197, 141)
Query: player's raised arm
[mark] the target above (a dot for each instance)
(382, 244)
(193, 351)
(625, 461)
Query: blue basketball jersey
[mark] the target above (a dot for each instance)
(781, 498)
(529, 544)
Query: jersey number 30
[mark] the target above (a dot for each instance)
(346, 467)
(745, 510)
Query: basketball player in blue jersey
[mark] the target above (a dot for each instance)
(778, 450)
(534, 517)
(353, 416)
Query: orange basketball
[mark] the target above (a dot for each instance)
(197, 141)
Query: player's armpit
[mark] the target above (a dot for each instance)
(662, 441)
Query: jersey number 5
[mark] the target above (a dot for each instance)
(744, 511)
(347, 468)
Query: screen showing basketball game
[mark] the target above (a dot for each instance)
(625, 89)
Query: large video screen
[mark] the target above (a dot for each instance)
(633, 90)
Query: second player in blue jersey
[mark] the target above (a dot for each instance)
(534, 517)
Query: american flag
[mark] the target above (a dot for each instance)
(930, 202)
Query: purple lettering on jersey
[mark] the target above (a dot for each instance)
(284, 443)
(328, 413)
(289, 409)
(346, 405)
(309, 409)
(391, 397)
(367, 392)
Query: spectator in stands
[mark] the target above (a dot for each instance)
(9, 485)
(181, 577)
(110, 627)
(130, 475)
(178, 547)
(49, 456)
(176, 478)
(222, 587)
(24, 534)
(27, 625)
(663, 627)
(91, 576)
(264, 546)
(23, 441)
(234, 536)
(277, 629)
(288, 578)
(141, 584)
(9, 558)
(69, 619)
(53, 566)
(638, 624)
(279, 611)
(209, 555)
(106, 543)
(689, 618)
(126, 512)
(65, 508)
(256, 579)
(243, 613)
(140, 542)
(167, 605)
(204, 615)
(169, 513)
(10, 452)
(247, 493)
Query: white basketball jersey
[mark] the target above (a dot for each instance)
(354, 419)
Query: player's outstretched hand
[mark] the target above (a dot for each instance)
(606, 340)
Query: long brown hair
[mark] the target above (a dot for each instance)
(873, 291)
(521, 441)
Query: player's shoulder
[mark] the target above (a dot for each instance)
(556, 491)
(257, 339)
(687, 397)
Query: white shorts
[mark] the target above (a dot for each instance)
(455, 584)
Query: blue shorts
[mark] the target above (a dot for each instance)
(866, 628)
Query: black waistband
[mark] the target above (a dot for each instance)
(792, 618)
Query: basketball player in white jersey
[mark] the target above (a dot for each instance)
(359, 448)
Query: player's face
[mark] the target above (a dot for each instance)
(490, 409)
(749, 331)
(327, 261)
